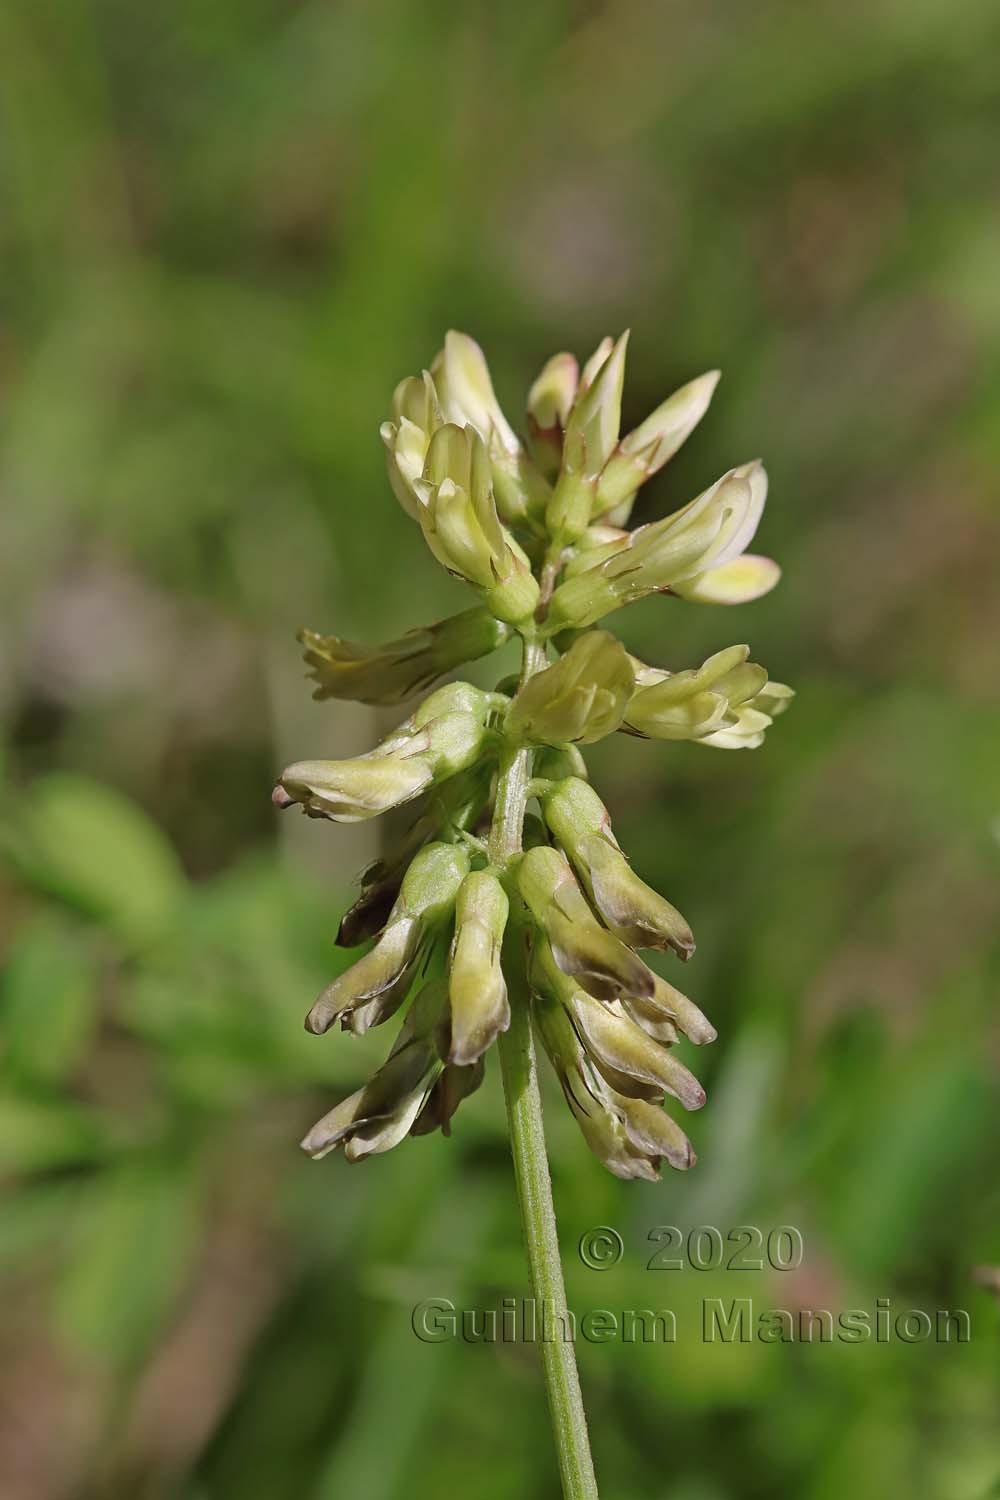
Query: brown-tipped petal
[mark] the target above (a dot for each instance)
(606, 1135)
(636, 913)
(605, 967)
(377, 972)
(369, 913)
(650, 1129)
(453, 1085)
(667, 1003)
(580, 945)
(594, 1105)
(632, 1062)
(379, 1008)
(661, 1029)
(378, 1116)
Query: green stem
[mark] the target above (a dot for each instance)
(531, 1164)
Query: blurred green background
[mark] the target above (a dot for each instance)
(228, 228)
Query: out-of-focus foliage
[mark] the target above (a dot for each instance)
(228, 229)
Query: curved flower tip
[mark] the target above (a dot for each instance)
(739, 581)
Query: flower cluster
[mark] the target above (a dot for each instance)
(481, 891)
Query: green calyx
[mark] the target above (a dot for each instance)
(507, 887)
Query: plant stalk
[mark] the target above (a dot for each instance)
(531, 1164)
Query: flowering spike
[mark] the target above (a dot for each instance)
(479, 887)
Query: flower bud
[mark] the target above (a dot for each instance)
(462, 378)
(445, 735)
(595, 364)
(633, 910)
(372, 989)
(477, 991)
(463, 382)
(416, 416)
(644, 451)
(461, 526)
(605, 967)
(630, 1136)
(580, 699)
(399, 669)
(591, 436)
(380, 1114)
(550, 401)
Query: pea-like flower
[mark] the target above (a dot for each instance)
(590, 437)
(387, 1108)
(506, 908)
(631, 909)
(399, 669)
(604, 964)
(550, 401)
(578, 700)
(710, 532)
(724, 702)
(630, 1135)
(447, 734)
(462, 379)
(373, 989)
(459, 519)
